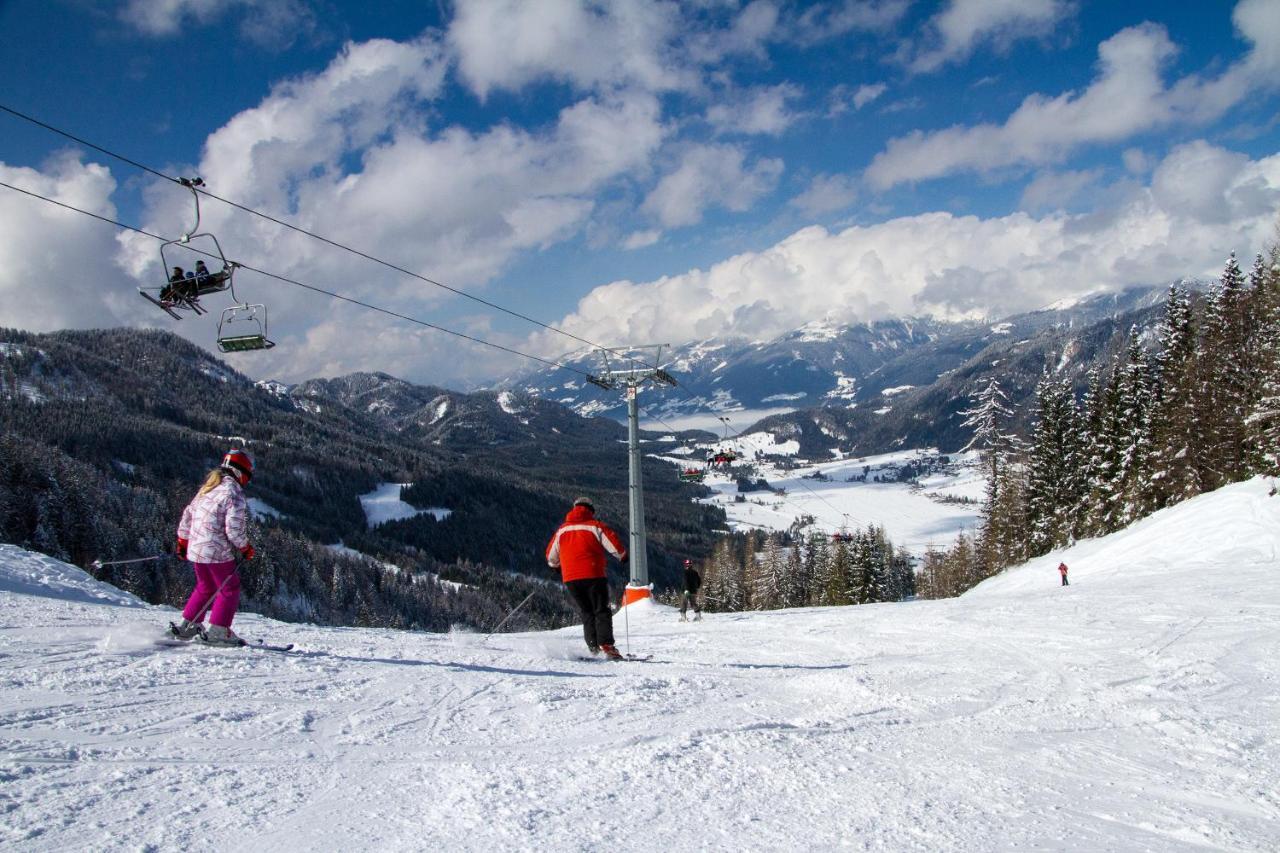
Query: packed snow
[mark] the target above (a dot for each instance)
(1136, 709)
(383, 504)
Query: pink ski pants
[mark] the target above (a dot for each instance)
(208, 578)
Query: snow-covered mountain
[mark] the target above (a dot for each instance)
(455, 419)
(826, 364)
(1133, 710)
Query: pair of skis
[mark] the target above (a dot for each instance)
(172, 639)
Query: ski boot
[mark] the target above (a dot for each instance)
(217, 635)
(611, 652)
(184, 630)
(697, 616)
(593, 649)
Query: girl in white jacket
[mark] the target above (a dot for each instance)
(214, 528)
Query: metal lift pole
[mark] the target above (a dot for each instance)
(641, 372)
(638, 555)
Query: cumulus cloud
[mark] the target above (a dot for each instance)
(1127, 97)
(958, 30)
(507, 44)
(271, 23)
(951, 266)
(826, 194)
(1056, 190)
(710, 176)
(763, 110)
(56, 266)
(346, 153)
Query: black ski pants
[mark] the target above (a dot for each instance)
(592, 597)
(688, 599)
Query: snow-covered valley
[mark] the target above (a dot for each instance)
(1137, 709)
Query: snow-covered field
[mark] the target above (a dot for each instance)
(1137, 709)
(914, 518)
(383, 504)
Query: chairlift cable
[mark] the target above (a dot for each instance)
(312, 234)
(320, 290)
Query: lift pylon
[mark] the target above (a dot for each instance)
(628, 369)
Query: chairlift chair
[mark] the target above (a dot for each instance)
(183, 293)
(817, 538)
(243, 328)
(692, 475)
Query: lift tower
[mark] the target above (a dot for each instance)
(627, 368)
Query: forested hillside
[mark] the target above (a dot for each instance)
(106, 433)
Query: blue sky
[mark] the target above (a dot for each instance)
(632, 171)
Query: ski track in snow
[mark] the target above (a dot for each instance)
(1134, 710)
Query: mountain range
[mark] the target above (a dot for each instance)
(871, 387)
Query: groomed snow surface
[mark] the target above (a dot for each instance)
(1136, 709)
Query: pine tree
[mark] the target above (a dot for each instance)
(797, 580)
(1173, 472)
(769, 586)
(1052, 479)
(1221, 383)
(1262, 424)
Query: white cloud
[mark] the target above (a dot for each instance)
(763, 110)
(346, 153)
(1056, 190)
(1127, 97)
(840, 97)
(1136, 161)
(273, 23)
(641, 239)
(710, 176)
(955, 32)
(826, 194)
(56, 266)
(822, 21)
(507, 44)
(948, 265)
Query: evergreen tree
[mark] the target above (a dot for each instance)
(1221, 382)
(1262, 424)
(1173, 472)
(1052, 478)
(769, 586)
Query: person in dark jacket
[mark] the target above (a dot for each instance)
(692, 582)
(579, 550)
(1062, 570)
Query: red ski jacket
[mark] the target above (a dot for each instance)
(578, 549)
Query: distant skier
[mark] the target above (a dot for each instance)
(579, 551)
(692, 581)
(1062, 570)
(213, 529)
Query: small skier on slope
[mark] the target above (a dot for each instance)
(692, 582)
(214, 528)
(579, 550)
(1062, 570)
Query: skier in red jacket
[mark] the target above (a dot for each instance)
(1062, 570)
(579, 550)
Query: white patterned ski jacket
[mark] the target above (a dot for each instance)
(216, 524)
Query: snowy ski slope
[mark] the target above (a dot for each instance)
(1137, 709)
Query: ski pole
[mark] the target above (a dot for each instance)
(200, 616)
(508, 616)
(626, 622)
(97, 564)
